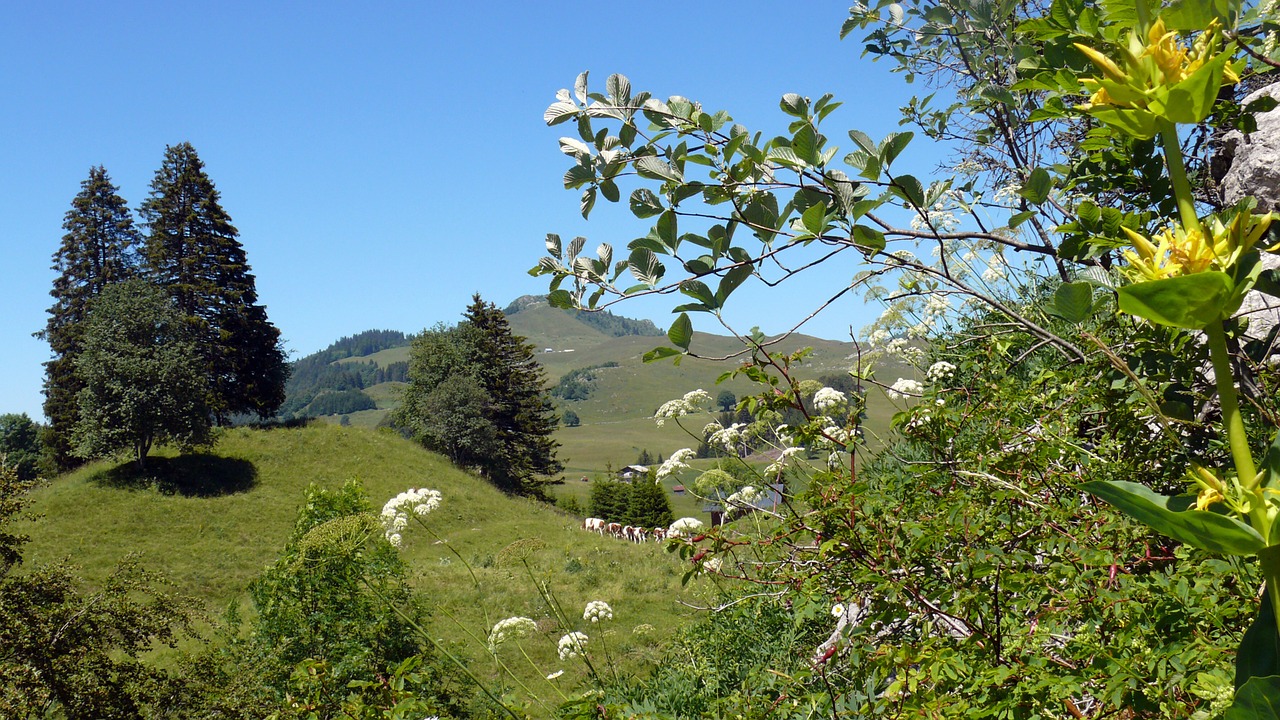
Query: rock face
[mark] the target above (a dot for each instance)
(1252, 165)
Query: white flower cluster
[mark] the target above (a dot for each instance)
(396, 512)
(837, 436)
(922, 418)
(712, 565)
(938, 219)
(941, 370)
(572, 645)
(597, 610)
(902, 347)
(512, 627)
(692, 402)
(727, 437)
(904, 387)
(877, 337)
(1009, 194)
(935, 308)
(968, 167)
(828, 399)
(684, 526)
(678, 461)
(777, 466)
(748, 495)
(993, 274)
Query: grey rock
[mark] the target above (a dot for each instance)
(1252, 167)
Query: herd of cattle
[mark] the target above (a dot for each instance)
(623, 532)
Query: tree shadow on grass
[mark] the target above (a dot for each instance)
(194, 475)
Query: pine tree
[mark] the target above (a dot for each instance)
(193, 252)
(522, 411)
(648, 506)
(97, 250)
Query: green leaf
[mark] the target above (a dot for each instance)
(1036, 189)
(561, 299)
(1258, 699)
(1271, 464)
(867, 237)
(1019, 218)
(1259, 652)
(553, 246)
(609, 189)
(699, 291)
(1195, 15)
(645, 204)
(731, 281)
(681, 332)
(1198, 528)
(892, 145)
(1191, 100)
(794, 105)
(814, 219)
(1138, 123)
(559, 112)
(655, 168)
(619, 89)
(659, 353)
(667, 228)
(909, 188)
(1073, 302)
(588, 201)
(1190, 301)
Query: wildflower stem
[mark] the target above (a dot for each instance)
(1232, 420)
(1178, 175)
(451, 549)
(441, 648)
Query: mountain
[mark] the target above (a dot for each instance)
(595, 359)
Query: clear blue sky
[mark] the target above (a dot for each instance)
(382, 163)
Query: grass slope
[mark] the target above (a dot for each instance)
(222, 517)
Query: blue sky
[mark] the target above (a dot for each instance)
(382, 163)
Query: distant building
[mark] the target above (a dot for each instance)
(632, 472)
(770, 502)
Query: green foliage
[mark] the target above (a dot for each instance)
(576, 384)
(648, 506)
(570, 419)
(192, 251)
(609, 500)
(340, 402)
(476, 394)
(97, 250)
(77, 655)
(20, 445)
(726, 401)
(144, 381)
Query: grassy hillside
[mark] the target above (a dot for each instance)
(616, 422)
(219, 518)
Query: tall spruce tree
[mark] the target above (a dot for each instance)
(98, 249)
(192, 251)
(522, 412)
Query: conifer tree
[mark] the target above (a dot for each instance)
(192, 251)
(98, 249)
(522, 412)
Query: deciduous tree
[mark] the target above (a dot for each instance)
(144, 382)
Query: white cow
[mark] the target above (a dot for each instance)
(595, 525)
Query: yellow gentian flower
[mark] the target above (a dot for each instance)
(1177, 251)
(1145, 69)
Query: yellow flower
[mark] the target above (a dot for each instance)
(1210, 487)
(1180, 251)
(1146, 70)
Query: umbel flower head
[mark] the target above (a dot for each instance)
(511, 628)
(1178, 251)
(572, 645)
(1140, 86)
(395, 513)
(597, 610)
